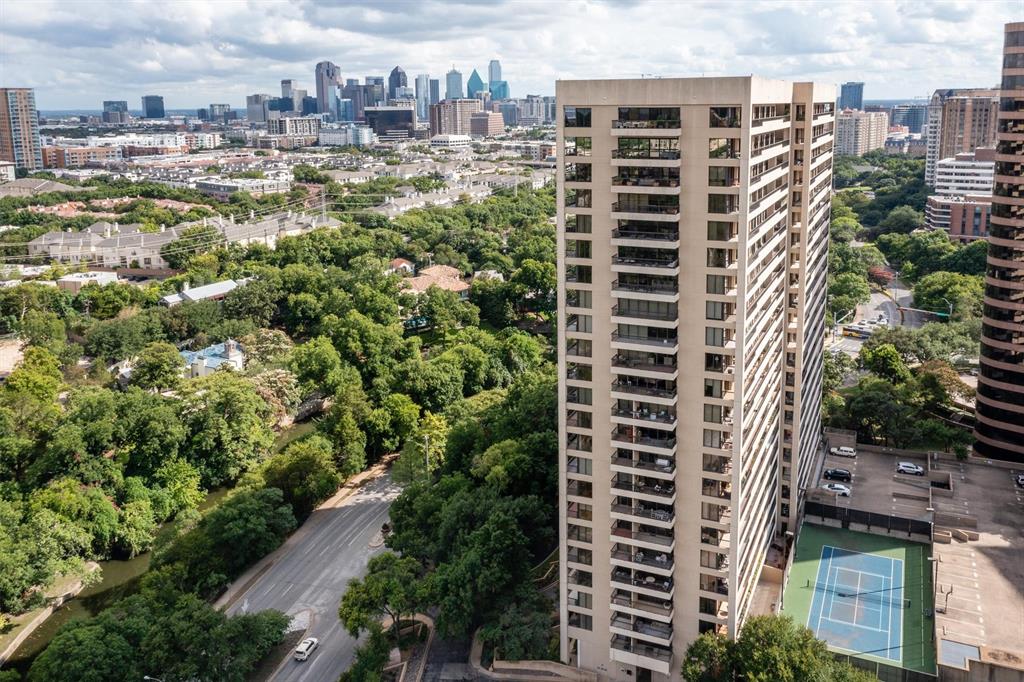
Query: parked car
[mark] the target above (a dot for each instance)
(843, 451)
(305, 648)
(838, 475)
(909, 468)
(837, 488)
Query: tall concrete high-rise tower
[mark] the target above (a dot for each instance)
(422, 96)
(494, 71)
(999, 430)
(19, 129)
(328, 77)
(693, 218)
(851, 96)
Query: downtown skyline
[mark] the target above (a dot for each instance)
(194, 53)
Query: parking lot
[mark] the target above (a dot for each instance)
(876, 487)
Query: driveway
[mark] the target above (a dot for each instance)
(311, 572)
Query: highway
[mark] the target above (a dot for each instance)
(311, 572)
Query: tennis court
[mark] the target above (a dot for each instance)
(867, 596)
(858, 602)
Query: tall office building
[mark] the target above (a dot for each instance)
(999, 430)
(115, 111)
(256, 107)
(152, 106)
(693, 219)
(19, 129)
(475, 85)
(452, 116)
(453, 85)
(435, 90)
(422, 95)
(494, 71)
(913, 116)
(328, 78)
(859, 132)
(287, 86)
(397, 79)
(958, 121)
(851, 96)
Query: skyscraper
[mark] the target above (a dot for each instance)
(422, 95)
(452, 116)
(453, 85)
(851, 96)
(328, 77)
(999, 430)
(115, 111)
(494, 71)
(859, 132)
(958, 121)
(287, 85)
(435, 90)
(256, 107)
(475, 85)
(911, 115)
(693, 218)
(396, 80)
(152, 106)
(19, 129)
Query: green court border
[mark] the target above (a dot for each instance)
(918, 631)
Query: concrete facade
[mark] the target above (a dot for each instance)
(692, 244)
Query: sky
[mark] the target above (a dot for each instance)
(77, 53)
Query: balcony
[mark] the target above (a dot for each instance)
(661, 561)
(640, 342)
(646, 628)
(638, 387)
(637, 436)
(657, 514)
(646, 414)
(660, 609)
(624, 462)
(656, 154)
(630, 314)
(666, 490)
(646, 208)
(641, 654)
(665, 288)
(644, 362)
(654, 537)
(714, 538)
(636, 233)
(654, 583)
(645, 181)
(640, 263)
(648, 125)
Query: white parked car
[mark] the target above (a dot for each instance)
(305, 648)
(843, 451)
(837, 488)
(909, 468)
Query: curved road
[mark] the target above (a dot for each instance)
(311, 573)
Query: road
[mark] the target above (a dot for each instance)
(312, 572)
(880, 303)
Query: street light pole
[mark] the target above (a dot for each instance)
(950, 307)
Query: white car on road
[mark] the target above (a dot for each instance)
(843, 451)
(305, 648)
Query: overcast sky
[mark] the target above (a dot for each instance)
(76, 53)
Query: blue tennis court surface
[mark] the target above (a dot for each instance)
(858, 602)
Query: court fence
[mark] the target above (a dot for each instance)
(823, 514)
(885, 672)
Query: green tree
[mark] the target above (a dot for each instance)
(255, 301)
(885, 361)
(392, 587)
(424, 448)
(158, 367)
(768, 649)
(248, 526)
(181, 481)
(44, 329)
(305, 472)
(191, 241)
(940, 289)
(847, 291)
(522, 632)
(227, 427)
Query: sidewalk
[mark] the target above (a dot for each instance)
(241, 584)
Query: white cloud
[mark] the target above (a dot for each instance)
(77, 53)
